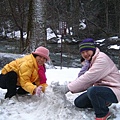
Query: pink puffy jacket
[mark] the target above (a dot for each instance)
(102, 72)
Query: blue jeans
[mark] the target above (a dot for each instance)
(98, 98)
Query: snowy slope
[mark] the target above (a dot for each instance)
(49, 106)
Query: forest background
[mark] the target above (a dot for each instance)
(72, 19)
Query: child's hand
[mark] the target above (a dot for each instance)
(38, 91)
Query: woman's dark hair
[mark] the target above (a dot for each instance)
(82, 59)
(35, 55)
(92, 55)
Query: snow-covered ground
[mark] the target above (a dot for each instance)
(51, 105)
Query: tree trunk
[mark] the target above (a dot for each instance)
(38, 31)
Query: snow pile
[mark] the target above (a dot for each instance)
(51, 105)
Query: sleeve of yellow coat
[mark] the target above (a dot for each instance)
(25, 74)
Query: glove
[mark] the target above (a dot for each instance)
(38, 91)
(61, 89)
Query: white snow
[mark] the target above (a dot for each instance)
(50, 34)
(114, 47)
(50, 105)
(16, 34)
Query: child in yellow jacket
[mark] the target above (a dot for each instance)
(26, 74)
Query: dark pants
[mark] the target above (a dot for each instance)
(98, 98)
(9, 81)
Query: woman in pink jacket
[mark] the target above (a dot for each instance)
(99, 79)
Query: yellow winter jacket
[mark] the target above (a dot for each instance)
(27, 71)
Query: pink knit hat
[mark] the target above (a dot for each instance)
(42, 51)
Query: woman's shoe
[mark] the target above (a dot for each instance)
(104, 118)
